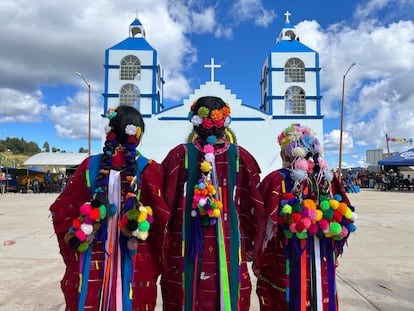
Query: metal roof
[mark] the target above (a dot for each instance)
(54, 159)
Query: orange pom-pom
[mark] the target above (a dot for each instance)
(309, 204)
(342, 207)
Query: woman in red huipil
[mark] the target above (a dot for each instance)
(111, 223)
(211, 191)
(306, 223)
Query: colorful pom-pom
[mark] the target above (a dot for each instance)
(335, 228)
(85, 208)
(144, 226)
(83, 247)
(287, 209)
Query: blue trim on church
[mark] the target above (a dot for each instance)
(154, 106)
(270, 85)
(318, 86)
(291, 46)
(133, 44)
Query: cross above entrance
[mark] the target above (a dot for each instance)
(287, 14)
(212, 66)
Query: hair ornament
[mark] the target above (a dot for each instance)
(111, 113)
(208, 119)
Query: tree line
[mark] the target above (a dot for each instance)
(21, 146)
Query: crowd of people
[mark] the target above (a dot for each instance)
(192, 222)
(46, 183)
(352, 180)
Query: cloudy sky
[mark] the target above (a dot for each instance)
(44, 43)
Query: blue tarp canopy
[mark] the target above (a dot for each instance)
(405, 158)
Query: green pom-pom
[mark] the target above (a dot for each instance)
(324, 205)
(102, 209)
(328, 214)
(287, 209)
(288, 234)
(335, 228)
(83, 247)
(297, 208)
(132, 214)
(144, 226)
(203, 112)
(302, 235)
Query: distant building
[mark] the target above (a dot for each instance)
(290, 86)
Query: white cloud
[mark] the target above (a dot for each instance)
(378, 90)
(253, 10)
(19, 107)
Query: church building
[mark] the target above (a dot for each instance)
(290, 93)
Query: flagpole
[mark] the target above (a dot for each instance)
(388, 146)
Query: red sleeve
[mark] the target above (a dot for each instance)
(152, 195)
(271, 190)
(248, 197)
(173, 166)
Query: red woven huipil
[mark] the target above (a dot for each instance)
(242, 206)
(148, 260)
(289, 276)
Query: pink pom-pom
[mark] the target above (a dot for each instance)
(324, 225)
(344, 232)
(292, 227)
(80, 235)
(312, 214)
(322, 164)
(301, 164)
(313, 229)
(306, 222)
(208, 149)
(86, 208)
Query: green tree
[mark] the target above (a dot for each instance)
(46, 146)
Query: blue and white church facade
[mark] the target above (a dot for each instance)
(289, 86)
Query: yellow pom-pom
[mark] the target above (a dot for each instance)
(216, 212)
(205, 166)
(142, 216)
(328, 234)
(319, 215)
(348, 214)
(334, 204)
(149, 210)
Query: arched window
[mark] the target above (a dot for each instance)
(130, 68)
(130, 95)
(295, 100)
(294, 70)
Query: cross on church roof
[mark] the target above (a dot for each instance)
(287, 14)
(212, 66)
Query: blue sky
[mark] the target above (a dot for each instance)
(44, 44)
